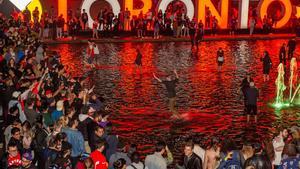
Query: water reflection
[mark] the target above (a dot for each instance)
(209, 99)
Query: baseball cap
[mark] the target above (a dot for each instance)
(27, 156)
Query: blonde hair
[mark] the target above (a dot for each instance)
(247, 151)
(63, 121)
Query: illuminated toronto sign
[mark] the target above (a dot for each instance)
(30, 4)
(21, 5)
(88, 3)
(188, 3)
(220, 14)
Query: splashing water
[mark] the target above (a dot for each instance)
(293, 77)
(280, 87)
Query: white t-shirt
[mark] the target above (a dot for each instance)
(96, 50)
(199, 151)
(277, 142)
(139, 165)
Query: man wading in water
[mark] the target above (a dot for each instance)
(170, 86)
(138, 60)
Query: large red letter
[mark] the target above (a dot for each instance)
(222, 19)
(136, 12)
(264, 4)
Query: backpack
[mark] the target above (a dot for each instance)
(233, 163)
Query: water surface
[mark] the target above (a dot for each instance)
(210, 100)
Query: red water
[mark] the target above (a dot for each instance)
(208, 100)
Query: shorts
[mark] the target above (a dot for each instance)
(251, 109)
(138, 63)
(220, 63)
(90, 60)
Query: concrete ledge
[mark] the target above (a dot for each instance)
(172, 39)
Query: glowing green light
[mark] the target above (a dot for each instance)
(281, 105)
(278, 105)
(280, 87)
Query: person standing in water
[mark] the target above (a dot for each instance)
(282, 54)
(170, 85)
(199, 33)
(138, 60)
(251, 97)
(220, 58)
(192, 32)
(291, 48)
(244, 86)
(267, 64)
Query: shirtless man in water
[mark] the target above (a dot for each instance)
(212, 154)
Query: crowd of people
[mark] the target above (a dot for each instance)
(56, 121)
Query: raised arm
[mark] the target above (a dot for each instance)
(91, 90)
(42, 78)
(156, 78)
(177, 77)
(169, 159)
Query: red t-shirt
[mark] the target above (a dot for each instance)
(99, 160)
(16, 161)
(80, 165)
(91, 51)
(95, 25)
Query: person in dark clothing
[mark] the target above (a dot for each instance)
(138, 59)
(111, 140)
(170, 86)
(98, 135)
(86, 127)
(84, 19)
(267, 64)
(282, 54)
(39, 144)
(16, 138)
(292, 46)
(258, 160)
(199, 33)
(251, 97)
(244, 86)
(191, 160)
(192, 32)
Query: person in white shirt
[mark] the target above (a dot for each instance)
(278, 144)
(156, 160)
(96, 52)
(136, 162)
(199, 151)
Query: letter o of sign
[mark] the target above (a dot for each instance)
(163, 4)
(287, 7)
(88, 3)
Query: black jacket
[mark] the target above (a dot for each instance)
(19, 144)
(259, 162)
(39, 141)
(193, 162)
(4, 162)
